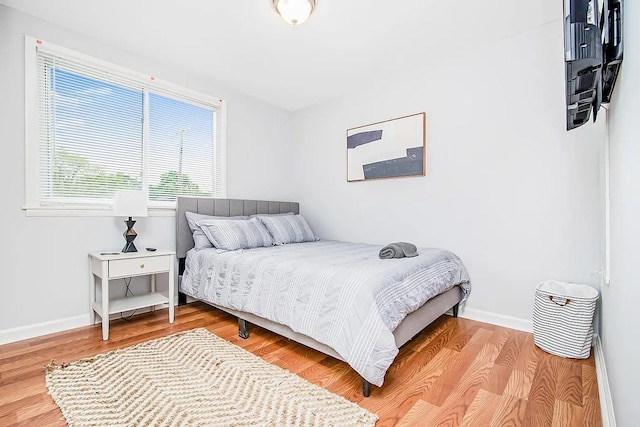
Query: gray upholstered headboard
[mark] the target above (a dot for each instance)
(221, 207)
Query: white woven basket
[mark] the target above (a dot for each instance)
(563, 318)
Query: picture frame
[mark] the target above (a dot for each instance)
(388, 149)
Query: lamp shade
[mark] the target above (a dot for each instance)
(294, 11)
(130, 203)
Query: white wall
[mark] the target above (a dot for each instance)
(620, 314)
(507, 188)
(44, 260)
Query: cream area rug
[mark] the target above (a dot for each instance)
(193, 378)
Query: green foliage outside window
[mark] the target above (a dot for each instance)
(74, 174)
(169, 187)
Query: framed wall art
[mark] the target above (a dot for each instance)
(388, 149)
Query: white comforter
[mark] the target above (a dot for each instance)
(340, 294)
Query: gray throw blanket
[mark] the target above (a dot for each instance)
(398, 250)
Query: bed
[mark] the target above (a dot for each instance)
(318, 309)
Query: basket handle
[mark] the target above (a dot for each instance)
(566, 302)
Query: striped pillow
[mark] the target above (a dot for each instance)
(288, 229)
(200, 241)
(231, 235)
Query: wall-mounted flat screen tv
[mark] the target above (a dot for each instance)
(593, 56)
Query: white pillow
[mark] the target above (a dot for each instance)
(200, 240)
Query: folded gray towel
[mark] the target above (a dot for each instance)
(398, 250)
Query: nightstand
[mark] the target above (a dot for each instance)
(117, 265)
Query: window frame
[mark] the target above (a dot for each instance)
(33, 204)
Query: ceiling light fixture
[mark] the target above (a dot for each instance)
(295, 12)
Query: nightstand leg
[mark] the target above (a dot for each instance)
(92, 295)
(153, 289)
(105, 300)
(172, 290)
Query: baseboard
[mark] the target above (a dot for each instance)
(606, 402)
(39, 329)
(497, 319)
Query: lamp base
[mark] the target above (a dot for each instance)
(129, 247)
(130, 235)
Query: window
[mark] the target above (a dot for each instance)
(94, 128)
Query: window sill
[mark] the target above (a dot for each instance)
(88, 212)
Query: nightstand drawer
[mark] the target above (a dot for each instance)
(139, 266)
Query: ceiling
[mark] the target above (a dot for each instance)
(344, 45)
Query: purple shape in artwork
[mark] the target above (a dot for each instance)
(363, 138)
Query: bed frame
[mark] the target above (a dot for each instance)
(406, 330)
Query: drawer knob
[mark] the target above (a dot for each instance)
(141, 265)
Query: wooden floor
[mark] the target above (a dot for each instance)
(457, 372)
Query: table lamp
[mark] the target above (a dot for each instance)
(130, 203)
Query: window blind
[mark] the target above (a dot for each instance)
(100, 130)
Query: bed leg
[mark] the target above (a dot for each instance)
(455, 309)
(182, 298)
(366, 388)
(243, 331)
